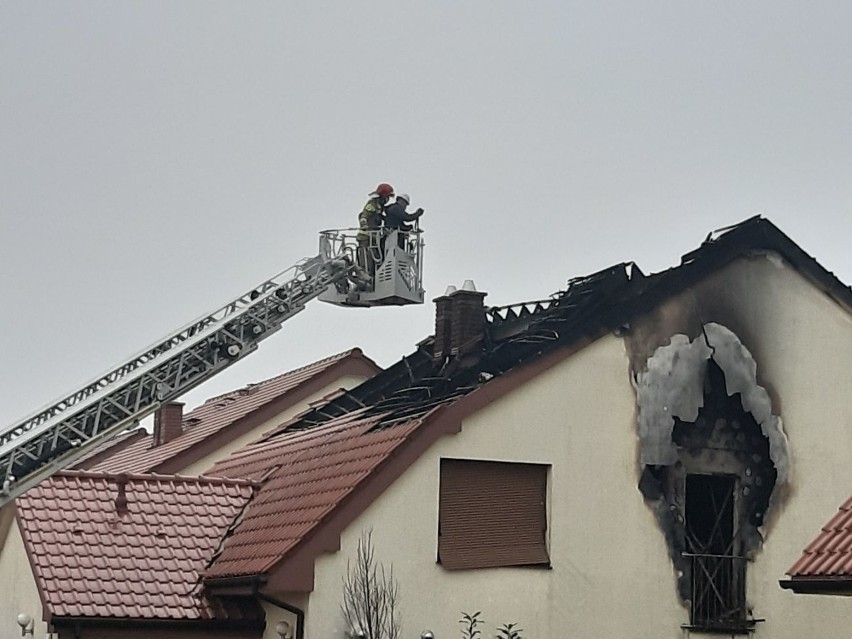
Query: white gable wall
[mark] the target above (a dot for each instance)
(578, 417)
(610, 574)
(802, 342)
(18, 590)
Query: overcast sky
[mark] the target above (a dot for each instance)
(159, 158)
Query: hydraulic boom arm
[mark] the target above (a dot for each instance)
(63, 432)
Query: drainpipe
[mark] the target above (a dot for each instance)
(300, 614)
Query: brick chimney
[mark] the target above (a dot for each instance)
(459, 319)
(168, 423)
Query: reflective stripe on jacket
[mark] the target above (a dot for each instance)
(370, 217)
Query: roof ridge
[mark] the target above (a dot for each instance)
(277, 436)
(158, 477)
(284, 428)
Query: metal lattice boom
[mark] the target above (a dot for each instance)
(62, 432)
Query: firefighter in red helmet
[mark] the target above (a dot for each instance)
(369, 228)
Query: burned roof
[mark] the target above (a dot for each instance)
(588, 307)
(354, 443)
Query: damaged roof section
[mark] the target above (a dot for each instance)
(588, 308)
(510, 336)
(399, 411)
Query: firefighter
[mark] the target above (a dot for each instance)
(396, 216)
(369, 227)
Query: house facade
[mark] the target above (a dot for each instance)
(672, 450)
(638, 456)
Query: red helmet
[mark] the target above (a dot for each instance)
(385, 190)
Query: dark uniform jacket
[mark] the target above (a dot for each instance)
(396, 217)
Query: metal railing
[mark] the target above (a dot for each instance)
(367, 248)
(718, 593)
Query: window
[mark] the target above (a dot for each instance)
(718, 601)
(492, 514)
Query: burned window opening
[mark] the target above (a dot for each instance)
(706, 432)
(716, 569)
(709, 520)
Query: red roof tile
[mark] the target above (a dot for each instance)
(830, 554)
(218, 413)
(306, 474)
(109, 448)
(91, 561)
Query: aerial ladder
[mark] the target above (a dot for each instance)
(68, 429)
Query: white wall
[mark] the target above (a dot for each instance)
(802, 342)
(578, 417)
(18, 591)
(611, 576)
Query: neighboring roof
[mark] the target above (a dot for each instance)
(92, 560)
(359, 442)
(110, 447)
(239, 410)
(826, 563)
(307, 474)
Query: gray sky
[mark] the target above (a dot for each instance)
(158, 158)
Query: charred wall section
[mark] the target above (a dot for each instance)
(711, 451)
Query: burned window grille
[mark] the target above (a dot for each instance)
(718, 571)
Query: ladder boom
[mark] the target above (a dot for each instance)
(64, 431)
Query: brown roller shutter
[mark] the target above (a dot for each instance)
(492, 514)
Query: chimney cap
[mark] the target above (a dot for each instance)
(468, 286)
(450, 290)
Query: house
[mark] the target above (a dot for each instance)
(187, 444)
(111, 553)
(638, 456)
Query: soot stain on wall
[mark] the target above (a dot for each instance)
(702, 413)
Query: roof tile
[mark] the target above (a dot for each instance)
(214, 415)
(308, 474)
(120, 565)
(830, 554)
